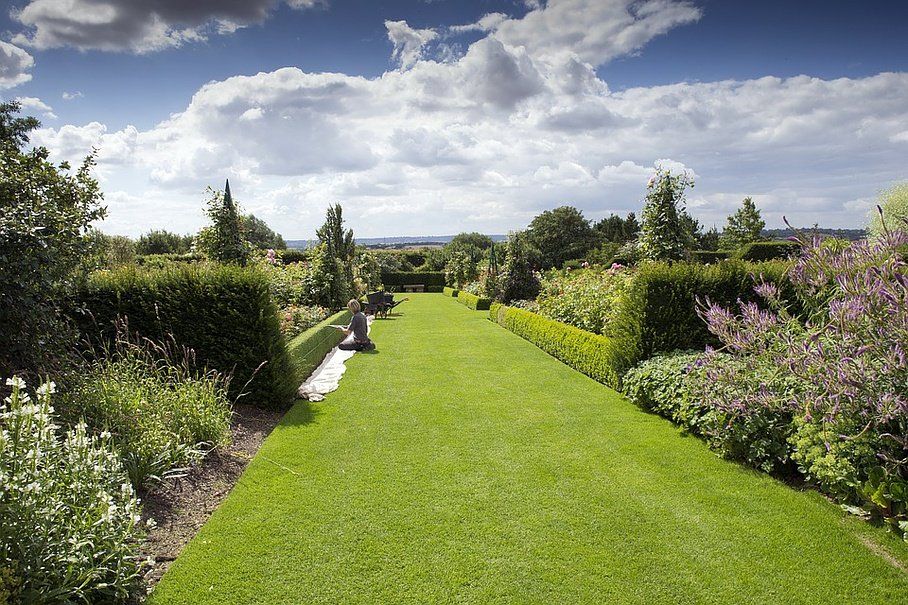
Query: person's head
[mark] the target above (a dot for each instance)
(353, 305)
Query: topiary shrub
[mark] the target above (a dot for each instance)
(658, 312)
(308, 350)
(225, 314)
(602, 359)
(762, 251)
(708, 257)
(450, 291)
(474, 302)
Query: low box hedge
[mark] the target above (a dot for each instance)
(225, 314)
(762, 251)
(472, 301)
(601, 358)
(450, 291)
(398, 279)
(308, 349)
(658, 312)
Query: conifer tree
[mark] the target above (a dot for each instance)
(743, 227)
(223, 241)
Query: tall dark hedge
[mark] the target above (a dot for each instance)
(761, 251)
(412, 278)
(223, 313)
(659, 311)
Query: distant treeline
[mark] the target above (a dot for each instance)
(848, 234)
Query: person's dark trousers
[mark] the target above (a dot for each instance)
(356, 346)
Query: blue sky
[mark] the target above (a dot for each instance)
(570, 101)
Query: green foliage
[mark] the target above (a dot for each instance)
(308, 350)
(561, 234)
(162, 413)
(450, 291)
(894, 203)
(461, 268)
(472, 301)
(412, 278)
(161, 241)
(743, 227)
(225, 314)
(69, 519)
(111, 251)
(159, 261)
(44, 224)
(475, 240)
(599, 357)
(658, 313)
(708, 257)
(223, 241)
(260, 235)
(663, 235)
(658, 385)
(709, 241)
(296, 319)
(617, 230)
(293, 255)
(332, 264)
(517, 280)
(366, 272)
(585, 298)
(762, 251)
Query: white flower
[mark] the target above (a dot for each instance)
(49, 387)
(15, 381)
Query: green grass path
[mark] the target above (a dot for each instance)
(460, 464)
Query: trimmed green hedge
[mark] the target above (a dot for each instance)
(294, 255)
(708, 257)
(435, 289)
(392, 279)
(451, 291)
(472, 301)
(308, 349)
(658, 312)
(225, 314)
(761, 251)
(601, 358)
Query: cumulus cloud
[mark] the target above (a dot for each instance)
(488, 140)
(136, 25)
(34, 105)
(408, 42)
(70, 96)
(15, 64)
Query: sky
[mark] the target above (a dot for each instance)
(434, 117)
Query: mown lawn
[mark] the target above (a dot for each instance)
(460, 464)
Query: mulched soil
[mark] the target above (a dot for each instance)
(180, 507)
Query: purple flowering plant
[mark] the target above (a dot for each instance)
(830, 390)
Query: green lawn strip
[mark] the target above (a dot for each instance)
(461, 464)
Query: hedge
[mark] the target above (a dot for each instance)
(225, 314)
(708, 257)
(392, 279)
(160, 260)
(601, 358)
(451, 291)
(308, 349)
(762, 251)
(435, 289)
(658, 312)
(293, 255)
(472, 301)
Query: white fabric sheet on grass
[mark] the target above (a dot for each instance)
(326, 376)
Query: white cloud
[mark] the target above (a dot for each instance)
(70, 96)
(33, 105)
(488, 22)
(15, 64)
(408, 42)
(488, 140)
(139, 26)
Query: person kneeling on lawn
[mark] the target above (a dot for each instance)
(359, 328)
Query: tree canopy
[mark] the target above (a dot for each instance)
(743, 227)
(561, 234)
(260, 235)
